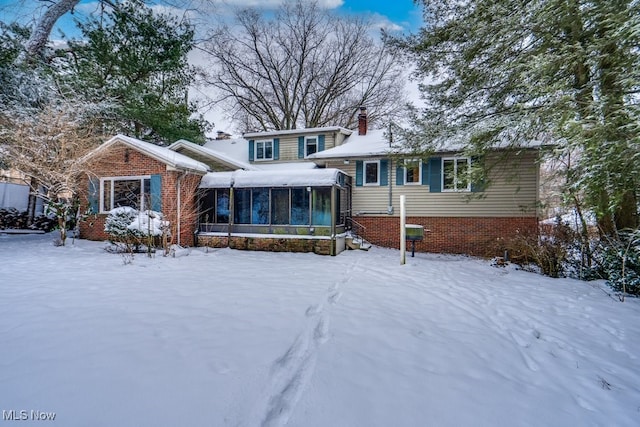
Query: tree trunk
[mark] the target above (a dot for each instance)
(35, 45)
(627, 212)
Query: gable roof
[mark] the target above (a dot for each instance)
(208, 152)
(372, 144)
(162, 154)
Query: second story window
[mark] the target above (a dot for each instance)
(311, 146)
(264, 150)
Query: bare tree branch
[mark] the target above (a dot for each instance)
(302, 68)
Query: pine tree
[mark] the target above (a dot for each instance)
(136, 61)
(502, 72)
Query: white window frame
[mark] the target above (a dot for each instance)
(364, 172)
(455, 175)
(307, 139)
(404, 170)
(111, 179)
(264, 150)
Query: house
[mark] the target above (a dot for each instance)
(308, 189)
(125, 171)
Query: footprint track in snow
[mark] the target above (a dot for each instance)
(291, 372)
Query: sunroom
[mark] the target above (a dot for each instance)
(280, 210)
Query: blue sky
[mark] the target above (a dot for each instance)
(401, 15)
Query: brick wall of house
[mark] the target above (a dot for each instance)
(318, 246)
(479, 236)
(120, 160)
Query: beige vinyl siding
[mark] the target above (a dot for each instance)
(513, 192)
(289, 145)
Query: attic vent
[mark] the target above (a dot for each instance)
(126, 155)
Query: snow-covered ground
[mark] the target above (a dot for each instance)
(255, 338)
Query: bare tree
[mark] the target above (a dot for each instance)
(302, 68)
(47, 149)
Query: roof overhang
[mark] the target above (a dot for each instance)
(173, 160)
(282, 178)
(305, 131)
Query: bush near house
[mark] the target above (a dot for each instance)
(11, 218)
(131, 230)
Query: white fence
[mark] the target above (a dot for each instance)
(14, 196)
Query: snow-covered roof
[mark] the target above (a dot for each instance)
(376, 143)
(162, 154)
(236, 150)
(277, 178)
(208, 151)
(299, 131)
(286, 166)
(372, 144)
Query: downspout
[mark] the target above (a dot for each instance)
(178, 212)
(390, 205)
(332, 248)
(231, 209)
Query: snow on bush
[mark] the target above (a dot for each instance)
(117, 223)
(148, 223)
(134, 228)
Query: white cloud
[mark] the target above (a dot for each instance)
(381, 22)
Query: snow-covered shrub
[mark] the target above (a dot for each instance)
(130, 229)
(14, 219)
(148, 223)
(117, 223)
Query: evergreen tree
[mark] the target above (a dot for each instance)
(504, 72)
(136, 61)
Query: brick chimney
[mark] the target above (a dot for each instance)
(223, 135)
(362, 121)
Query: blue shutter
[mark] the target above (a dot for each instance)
(384, 172)
(358, 173)
(94, 194)
(435, 175)
(252, 146)
(276, 148)
(301, 147)
(400, 173)
(320, 142)
(156, 193)
(424, 179)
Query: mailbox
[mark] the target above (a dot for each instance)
(414, 233)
